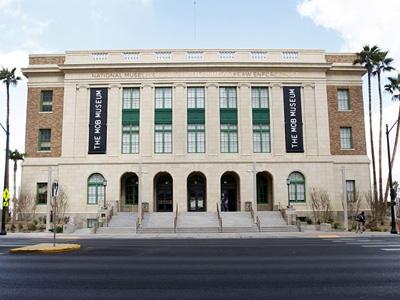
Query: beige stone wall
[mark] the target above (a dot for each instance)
(340, 58)
(46, 60)
(36, 120)
(353, 118)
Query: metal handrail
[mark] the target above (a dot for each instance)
(176, 218)
(137, 224)
(219, 219)
(252, 213)
(258, 223)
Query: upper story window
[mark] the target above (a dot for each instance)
(346, 138)
(195, 97)
(44, 140)
(260, 97)
(46, 101)
(227, 97)
(343, 99)
(163, 97)
(131, 98)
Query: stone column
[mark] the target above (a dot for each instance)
(309, 120)
(146, 120)
(114, 120)
(322, 120)
(277, 120)
(212, 119)
(179, 120)
(81, 121)
(68, 130)
(245, 120)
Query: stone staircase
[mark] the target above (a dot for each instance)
(122, 222)
(272, 221)
(197, 222)
(157, 222)
(237, 222)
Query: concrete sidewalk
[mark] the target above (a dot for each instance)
(255, 235)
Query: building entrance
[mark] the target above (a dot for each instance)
(196, 188)
(129, 192)
(229, 192)
(164, 193)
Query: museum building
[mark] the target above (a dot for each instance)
(176, 129)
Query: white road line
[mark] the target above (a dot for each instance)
(16, 245)
(381, 245)
(390, 249)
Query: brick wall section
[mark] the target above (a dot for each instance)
(342, 58)
(353, 118)
(36, 120)
(46, 60)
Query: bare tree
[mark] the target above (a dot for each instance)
(25, 207)
(321, 205)
(60, 207)
(354, 206)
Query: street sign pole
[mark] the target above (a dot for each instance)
(54, 194)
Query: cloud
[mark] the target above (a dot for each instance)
(4, 4)
(358, 22)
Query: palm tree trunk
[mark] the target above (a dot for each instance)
(380, 141)
(396, 141)
(6, 178)
(15, 191)
(374, 186)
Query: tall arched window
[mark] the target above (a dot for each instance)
(297, 189)
(95, 189)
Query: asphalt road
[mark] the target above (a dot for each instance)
(289, 268)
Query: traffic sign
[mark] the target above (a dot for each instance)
(54, 189)
(6, 196)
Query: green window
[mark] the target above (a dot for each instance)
(261, 138)
(195, 97)
(297, 191)
(163, 138)
(229, 138)
(91, 223)
(46, 101)
(259, 97)
(346, 138)
(227, 97)
(163, 97)
(41, 193)
(95, 189)
(350, 190)
(130, 139)
(343, 99)
(44, 140)
(196, 138)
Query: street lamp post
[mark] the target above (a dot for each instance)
(4, 208)
(105, 193)
(392, 191)
(288, 193)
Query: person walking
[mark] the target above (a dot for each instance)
(360, 222)
(224, 202)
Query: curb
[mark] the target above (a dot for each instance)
(46, 248)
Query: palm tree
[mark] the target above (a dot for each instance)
(366, 58)
(15, 156)
(9, 78)
(382, 64)
(394, 88)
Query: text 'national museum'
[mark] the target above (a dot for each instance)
(162, 130)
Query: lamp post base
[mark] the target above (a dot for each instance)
(3, 232)
(393, 229)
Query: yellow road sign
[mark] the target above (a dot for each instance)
(6, 194)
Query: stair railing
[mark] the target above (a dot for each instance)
(258, 223)
(219, 218)
(176, 218)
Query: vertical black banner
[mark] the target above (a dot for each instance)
(293, 119)
(98, 121)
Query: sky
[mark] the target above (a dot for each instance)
(49, 26)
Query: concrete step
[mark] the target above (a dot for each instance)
(197, 230)
(271, 218)
(155, 230)
(236, 219)
(197, 220)
(287, 228)
(237, 229)
(123, 219)
(115, 230)
(158, 220)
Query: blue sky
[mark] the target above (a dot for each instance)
(54, 26)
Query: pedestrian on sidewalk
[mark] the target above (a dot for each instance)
(360, 222)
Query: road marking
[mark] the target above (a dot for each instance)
(390, 249)
(380, 245)
(328, 236)
(15, 245)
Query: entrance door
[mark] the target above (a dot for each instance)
(164, 193)
(196, 187)
(131, 191)
(230, 191)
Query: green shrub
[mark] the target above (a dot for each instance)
(35, 222)
(20, 227)
(336, 225)
(309, 221)
(31, 227)
(59, 229)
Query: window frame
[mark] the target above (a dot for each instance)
(163, 99)
(229, 131)
(163, 131)
(132, 100)
(196, 132)
(96, 185)
(133, 129)
(41, 140)
(196, 97)
(339, 100)
(353, 192)
(38, 200)
(297, 183)
(343, 139)
(228, 98)
(260, 132)
(42, 100)
(259, 98)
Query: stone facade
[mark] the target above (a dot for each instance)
(46, 60)
(36, 120)
(341, 58)
(353, 118)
